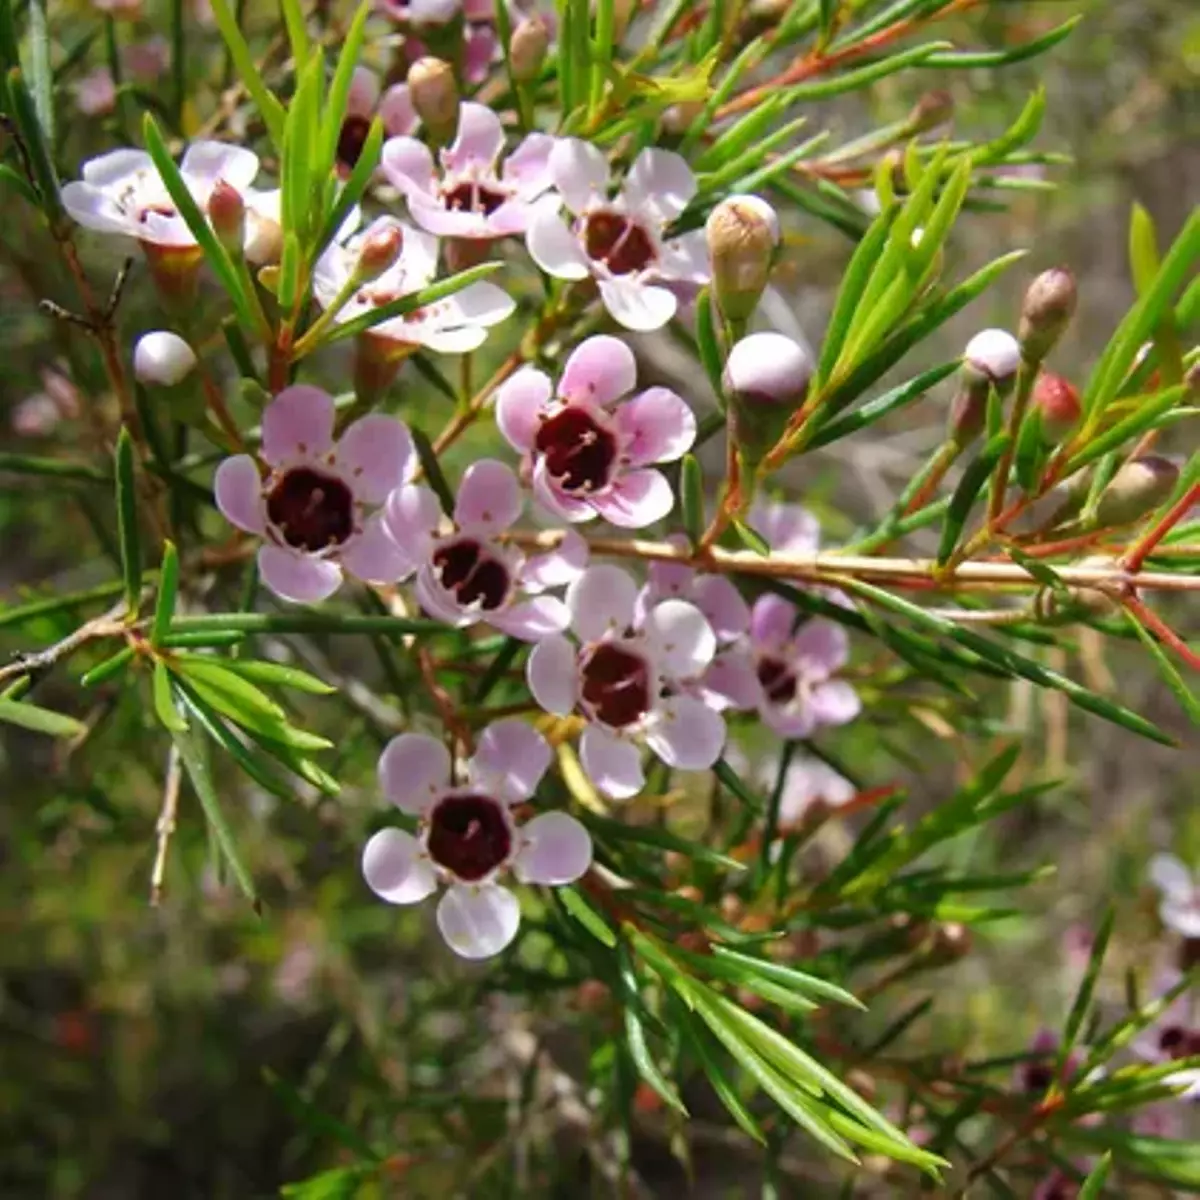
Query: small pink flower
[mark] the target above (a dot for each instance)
(128, 10)
(590, 453)
(620, 240)
(312, 505)
(427, 12)
(95, 93)
(810, 785)
(472, 198)
(465, 573)
(469, 836)
(147, 60)
(1179, 895)
(41, 412)
(365, 100)
(787, 675)
(629, 679)
(1174, 1035)
(121, 191)
(455, 325)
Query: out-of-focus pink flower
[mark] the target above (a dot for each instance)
(38, 414)
(1174, 1036)
(1179, 895)
(469, 837)
(589, 452)
(95, 93)
(146, 60)
(127, 10)
(365, 101)
(471, 197)
(627, 674)
(467, 574)
(313, 505)
(620, 240)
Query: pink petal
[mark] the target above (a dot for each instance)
(719, 600)
(834, 703)
(479, 304)
(1182, 919)
(580, 172)
(396, 111)
(599, 371)
(637, 499)
(680, 638)
(733, 679)
(552, 675)
(557, 850)
(238, 489)
(430, 215)
(534, 619)
(639, 306)
(510, 759)
(601, 602)
(363, 94)
(661, 182)
(408, 165)
(519, 404)
(478, 922)
(374, 557)
(395, 869)
(489, 498)
(297, 424)
(1171, 877)
(821, 647)
(479, 140)
(377, 455)
(611, 763)
(689, 736)
(552, 245)
(771, 621)
(685, 259)
(528, 166)
(558, 567)
(479, 49)
(414, 769)
(411, 518)
(657, 426)
(439, 604)
(116, 166)
(552, 498)
(205, 162)
(298, 577)
(787, 528)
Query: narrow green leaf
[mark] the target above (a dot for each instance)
(1144, 415)
(1144, 262)
(1093, 1185)
(1166, 668)
(752, 539)
(52, 605)
(265, 101)
(279, 675)
(962, 60)
(127, 524)
(1022, 131)
(882, 406)
(635, 1036)
(706, 343)
(11, 178)
(41, 79)
(432, 469)
(790, 977)
(108, 669)
(40, 720)
(312, 621)
(574, 902)
(659, 839)
(168, 588)
(293, 19)
(164, 699)
(691, 498)
(730, 779)
(965, 494)
(1081, 1005)
(41, 160)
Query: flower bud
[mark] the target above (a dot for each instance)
(434, 93)
(379, 252)
(1057, 403)
(527, 50)
(162, 358)
(992, 356)
(766, 379)
(1137, 488)
(1049, 305)
(933, 109)
(227, 212)
(677, 119)
(743, 235)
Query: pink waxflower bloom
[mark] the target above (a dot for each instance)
(455, 325)
(314, 501)
(122, 192)
(589, 453)
(788, 675)
(1037, 1072)
(148, 59)
(620, 240)
(1174, 1035)
(812, 786)
(465, 573)
(426, 12)
(1179, 895)
(1056, 1186)
(628, 676)
(38, 414)
(471, 197)
(95, 93)
(469, 837)
(129, 10)
(366, 100)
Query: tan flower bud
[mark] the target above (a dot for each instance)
(1049, 305)
(434, 93)
(527, 50)
(743, 236)
(1137, 488)
(379, 252)
(933, 109)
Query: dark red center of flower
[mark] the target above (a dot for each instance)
(313, 511)
(466, 570)
(162, 210)
(352, 139)
(621, 244)
(580, 452)
(777, 680)
(469, 835)
(616, 684)
(473, 197)
(1175, 1041)
(1037, 1076)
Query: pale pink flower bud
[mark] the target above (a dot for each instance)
(1048, 307)
(227, 212)
(768, 370)
(994, 356)
(1139, 487)
(162, 358)
(743, 236)
(380, 251)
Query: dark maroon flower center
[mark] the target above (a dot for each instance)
(313, 511)
(1037, 1076)
(473, 197)
(777, 680)
(466, 570)
(621, 244)
(616, 685)
(469, 835)
(352, 139)
(1177, 1042)
(580, 452)
(162, 209)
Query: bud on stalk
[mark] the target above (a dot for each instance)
(991, 360)
(527, 50)
(766, 380)
(743, 235)
(931, 110)
(1138, 488)
(227, 212)
(162, 359)
(1049, 305)
(379, 252)
(434, 93)
(1057, 404)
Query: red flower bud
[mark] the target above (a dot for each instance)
(1058, 403)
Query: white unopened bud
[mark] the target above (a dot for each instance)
(994, 356)
(743, 235)
(162, 358)
(768, 370)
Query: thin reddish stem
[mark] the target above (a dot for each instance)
(1144, 547)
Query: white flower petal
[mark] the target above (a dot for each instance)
(489, 498)
(602, 600)
(553, 676)
(510, 759)
(681, 639)
(1171, 877)
(557, 850)
(690, 735)
(639, 306)
(238, 489)
(580, 172)
(394, 868)
(552, 245)
(478, 922)
(611, 763)
(297, 424)
(298, 577)
(414, 769)
(374, 557)
(659, 181)
(598, 371)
